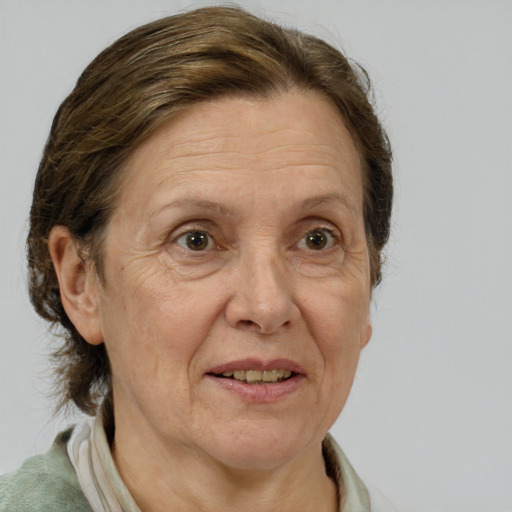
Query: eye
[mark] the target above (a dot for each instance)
(195, 240)
(318, 239)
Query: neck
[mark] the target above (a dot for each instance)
(162, 478)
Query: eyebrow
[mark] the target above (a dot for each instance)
(314, 202)
(199, 204)
(221, 209)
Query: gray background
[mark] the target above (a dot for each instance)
(430, 416)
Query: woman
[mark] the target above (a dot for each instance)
(207, 227)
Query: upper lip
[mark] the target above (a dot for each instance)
(258, 364)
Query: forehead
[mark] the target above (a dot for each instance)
(240, 143)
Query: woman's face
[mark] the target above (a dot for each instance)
(236, 258)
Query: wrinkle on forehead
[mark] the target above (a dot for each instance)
(251, 135)
(203, 128)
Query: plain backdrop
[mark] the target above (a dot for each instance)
(430, 415)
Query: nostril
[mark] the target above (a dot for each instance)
(263, 327)
(248, 323)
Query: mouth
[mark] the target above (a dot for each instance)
(258, 381)
(257, 376)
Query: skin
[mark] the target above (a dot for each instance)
(255, 177)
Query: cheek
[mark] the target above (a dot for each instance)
(337, 316)
(152, 326)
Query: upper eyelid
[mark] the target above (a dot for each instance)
(322, 227)
(335, 233)
(326, 225)
(187, 227)
(188, 231)
(321, 221)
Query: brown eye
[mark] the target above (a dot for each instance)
(195, 240)
(318, 239)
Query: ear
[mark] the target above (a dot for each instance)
(78, 283)
(366, 331)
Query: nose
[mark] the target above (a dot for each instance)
(262, 299)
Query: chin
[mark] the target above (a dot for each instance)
(261, 449)
(262, 460)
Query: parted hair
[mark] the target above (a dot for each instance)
(128, 91)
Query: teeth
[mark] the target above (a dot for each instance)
(258, 376)
(270, 376)
(253, 376)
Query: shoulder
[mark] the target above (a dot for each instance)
(379, 502)
(44, 482)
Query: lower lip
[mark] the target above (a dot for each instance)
(259, 393)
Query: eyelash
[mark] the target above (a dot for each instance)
(335, 239)
(332, 234)
(191, 230)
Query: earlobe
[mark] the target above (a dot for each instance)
(366, 331)
(78, 283)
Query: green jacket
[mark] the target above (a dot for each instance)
(44, 483)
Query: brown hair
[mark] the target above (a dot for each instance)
(131, 89)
